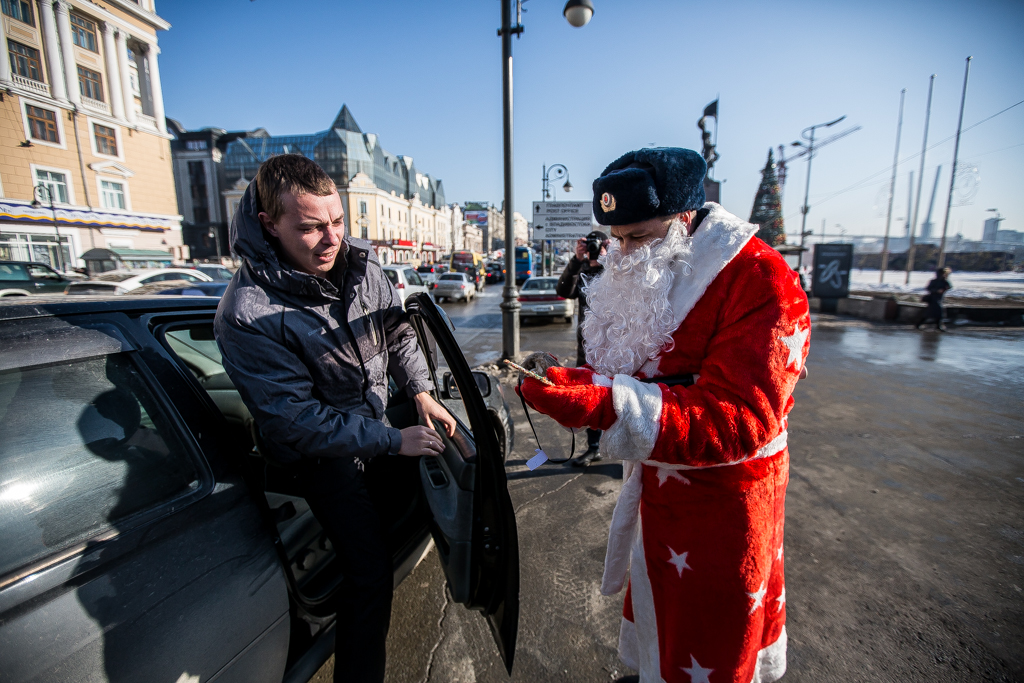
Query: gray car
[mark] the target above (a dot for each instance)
(144, 536)
(456, 286)
(540, 300)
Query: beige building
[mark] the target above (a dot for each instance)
(84, 126)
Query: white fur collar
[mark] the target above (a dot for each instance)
(720, 237)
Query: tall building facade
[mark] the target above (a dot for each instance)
(87, 160)
(388, 201)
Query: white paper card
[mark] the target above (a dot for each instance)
(537, 460)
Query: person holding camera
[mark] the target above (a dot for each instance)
(584, 264)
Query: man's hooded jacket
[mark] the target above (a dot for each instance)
(310, 356)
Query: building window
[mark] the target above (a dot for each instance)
(106, 140)
(42, 123)
(56, 184)
(19, 9)
(25, 61)
(90, 84)
(197, 184)
(83, 33)
(111, 195)
(362, 208)
(195, 144)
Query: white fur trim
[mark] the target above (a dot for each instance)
(644, 618)
(629, 648)
(638, 408)
(623, 530)
(771, 661)
(773, 447)
(719, 238)
(600, 380)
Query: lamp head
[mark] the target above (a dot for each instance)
(578, 12)
(567, 187)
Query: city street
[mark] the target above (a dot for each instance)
(905, 539)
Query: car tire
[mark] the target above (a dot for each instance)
(568, 320)
(503, 430)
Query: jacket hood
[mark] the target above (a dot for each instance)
(250, 242)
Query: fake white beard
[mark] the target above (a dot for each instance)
(629, 318)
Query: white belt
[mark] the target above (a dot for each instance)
(627, 511)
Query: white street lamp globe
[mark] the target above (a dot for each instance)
(567, 187)
(578, 12)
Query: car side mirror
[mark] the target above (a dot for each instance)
(483, 383)
(449, 389)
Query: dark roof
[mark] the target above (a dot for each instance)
(16, 307)
(346, 121)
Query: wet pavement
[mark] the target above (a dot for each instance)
(904, 535)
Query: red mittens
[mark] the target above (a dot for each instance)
(576, 400)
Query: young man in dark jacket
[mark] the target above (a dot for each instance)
(310, 329)
(937, 289)
(583, 265)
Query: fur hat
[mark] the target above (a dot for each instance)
(649, 182)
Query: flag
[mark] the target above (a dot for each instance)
(711, 109)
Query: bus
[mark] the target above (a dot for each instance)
(524, 264)
(462, 259)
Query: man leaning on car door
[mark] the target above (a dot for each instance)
(310, 329)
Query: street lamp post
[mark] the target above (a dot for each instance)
(215, 234)
(578, 14)
(548, 173)
(807, 188)
(45, 189)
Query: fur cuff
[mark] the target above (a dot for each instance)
(638, 409)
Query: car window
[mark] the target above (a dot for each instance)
(12, 271)
(413, 277)
(446, 390)
(152, 278)
(104, 452)
(452, 276)
(183, 276)
(531, 284)
(42, 273)
(392, 275)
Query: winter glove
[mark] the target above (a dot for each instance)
(580, 397)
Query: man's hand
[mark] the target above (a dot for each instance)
(581, 249)
(429, 411)
(421, 440)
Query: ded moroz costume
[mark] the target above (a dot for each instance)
(697, 533)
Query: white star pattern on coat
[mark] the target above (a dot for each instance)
(697, 673)
(680, 562)
(664, 474)
(781, 599)
(758, 597)
(779, 556)
(795, 344)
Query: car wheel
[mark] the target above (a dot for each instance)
(503, 430)
(568, 319)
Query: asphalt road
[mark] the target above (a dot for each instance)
(904, 535)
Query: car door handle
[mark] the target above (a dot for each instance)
(38, 284)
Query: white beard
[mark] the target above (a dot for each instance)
(629, 318)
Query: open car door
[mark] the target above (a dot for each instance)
(474, 524)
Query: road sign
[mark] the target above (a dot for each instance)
(832, 264)
(561, 220)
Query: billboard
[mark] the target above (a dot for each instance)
(832, 264)
(561, 220)
(476, 218)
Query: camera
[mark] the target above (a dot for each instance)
(593, 247)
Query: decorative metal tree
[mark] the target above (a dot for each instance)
(767, 211)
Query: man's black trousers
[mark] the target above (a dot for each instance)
(336, 492)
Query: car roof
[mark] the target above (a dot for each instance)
(17, 307)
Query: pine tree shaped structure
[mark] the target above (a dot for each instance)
(767, 211)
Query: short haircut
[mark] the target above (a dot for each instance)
(290, 173)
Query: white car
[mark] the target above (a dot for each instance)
(540, 300)
(406, 280)
(121, 281)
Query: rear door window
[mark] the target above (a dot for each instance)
(13, 271)
(392, 275)
(413, 277)
(84, 447)
(43, 273)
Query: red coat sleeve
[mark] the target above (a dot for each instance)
(747, 375)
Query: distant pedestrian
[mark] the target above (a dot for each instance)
(937, 288)
(584, 264)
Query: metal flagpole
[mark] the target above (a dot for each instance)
(956, 152)
(892, 192)
(920, 182)
(510, 296)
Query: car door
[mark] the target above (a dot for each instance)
(474, 525)
(46, 279)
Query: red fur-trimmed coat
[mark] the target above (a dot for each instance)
(698, 527)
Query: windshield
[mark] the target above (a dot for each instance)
(452, 276)
(546, 283)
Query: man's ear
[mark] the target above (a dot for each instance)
(268, 224)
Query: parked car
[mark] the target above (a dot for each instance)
(23, 278)
(145, 538)
(429, 272)
(456, 286)
(540, 300)
(406, 280)
(217, 272)
(181, 288)
(121, 281)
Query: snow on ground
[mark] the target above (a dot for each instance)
(965, 285)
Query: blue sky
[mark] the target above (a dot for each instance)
(426, 77)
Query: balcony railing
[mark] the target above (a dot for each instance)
(146, 121)
(29, 84)
(95, 105)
